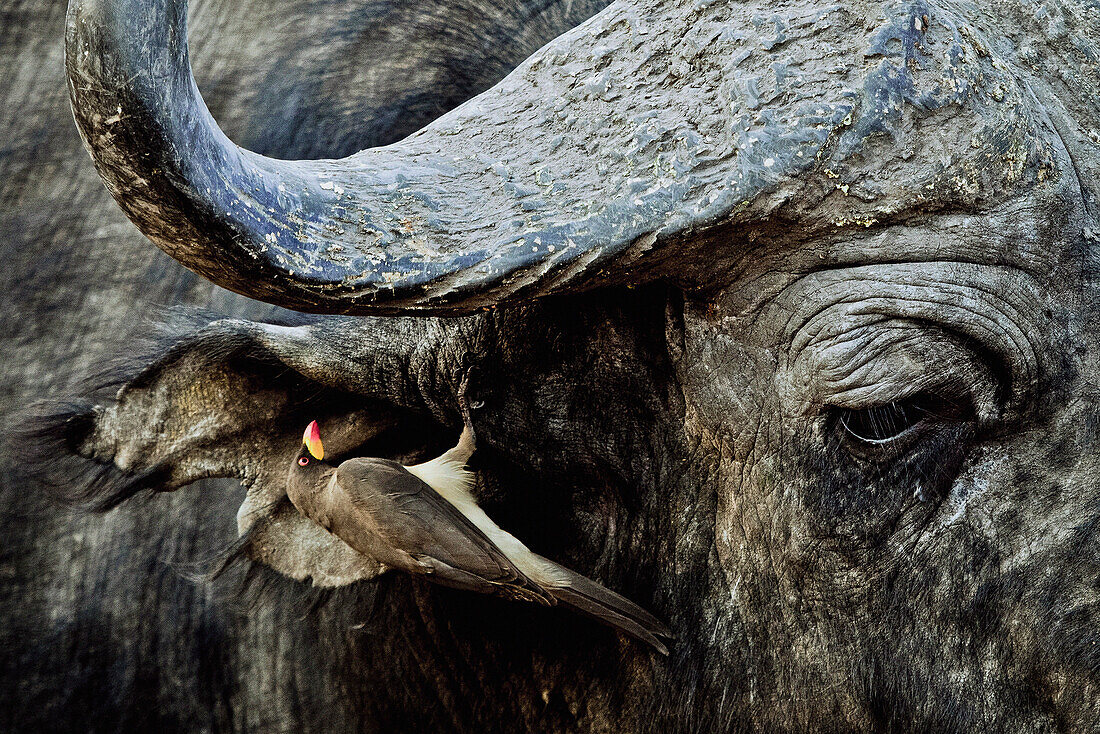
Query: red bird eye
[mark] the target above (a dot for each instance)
(303, 460)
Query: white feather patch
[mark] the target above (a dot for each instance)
(453, 481)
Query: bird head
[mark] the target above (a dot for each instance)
(309, 472)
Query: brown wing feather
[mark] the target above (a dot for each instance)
(409, 515)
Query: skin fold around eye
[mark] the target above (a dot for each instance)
(871, 335)
(882, 376)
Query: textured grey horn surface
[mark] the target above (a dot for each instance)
(605, 152)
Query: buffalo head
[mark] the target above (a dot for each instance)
(783, 321)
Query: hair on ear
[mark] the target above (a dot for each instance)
(46, 448)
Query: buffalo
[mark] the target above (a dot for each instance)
(781, 321)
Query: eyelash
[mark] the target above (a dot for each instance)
(886, 424)
(880, 424)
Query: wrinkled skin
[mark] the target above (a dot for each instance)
(692, 449)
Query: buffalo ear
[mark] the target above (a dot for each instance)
(226, 399)
(276, 534)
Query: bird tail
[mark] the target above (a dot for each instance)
(584, 595)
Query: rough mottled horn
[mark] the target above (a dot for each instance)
(428, 223)
(647, 122)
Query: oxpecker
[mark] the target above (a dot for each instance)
(423, 519)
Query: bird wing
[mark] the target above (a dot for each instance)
(380, 496)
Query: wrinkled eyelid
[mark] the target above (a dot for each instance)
(947, 399)
(988, 311)
(876, 364)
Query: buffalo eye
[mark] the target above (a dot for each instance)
(887, 422)
(303, 460)
(880, 423)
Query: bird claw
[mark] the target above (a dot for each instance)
(464, 404)
(465, 407)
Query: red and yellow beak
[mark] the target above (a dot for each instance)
(312, 440)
